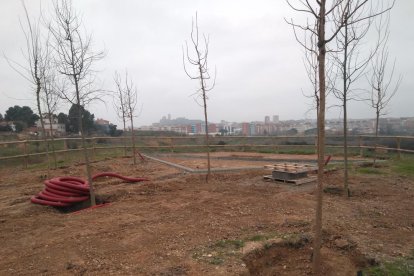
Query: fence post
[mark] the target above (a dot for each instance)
(26, 157)
(361, 149)
(94, 148)
(275, 144)
(171, 145)
(399, 147)
(124, 144)
(65, 147)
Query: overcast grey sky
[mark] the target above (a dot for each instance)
(259, 64)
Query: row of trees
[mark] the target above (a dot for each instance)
(23, 117)
(332, 39)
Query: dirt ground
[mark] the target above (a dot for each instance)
(176, 224)
(239, 159)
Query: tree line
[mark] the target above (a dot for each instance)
(23, 117)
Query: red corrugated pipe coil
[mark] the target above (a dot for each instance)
(68, 190)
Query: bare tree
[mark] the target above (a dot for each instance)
(382, 83)
(350, 63)
(327, 21)
(37, 58)
(319, 12)
(74, 60)
(127, 97)
(200, 61)
(131, 103)
(120, 104)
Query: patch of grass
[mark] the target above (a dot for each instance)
(340, 152)
(334, 166)
(223, 250)
(262, 237)
(267, 246)
(217, 253)
(370, 170)
(230, 244)
(400, 267)
(257, 238)
(216, 260)
(405, 167)
(295, 240)
(297, 151)
(10, 151)
(267, 151)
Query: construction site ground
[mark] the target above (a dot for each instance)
(177, 224)
(236, 160)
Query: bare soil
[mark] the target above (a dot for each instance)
(176, 224)
(240, 159)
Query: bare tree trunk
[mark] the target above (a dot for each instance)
(321, 138)
(51, 102)
(85, 155)
(84, 146)
(203, 90)
(50, 99)
(346, 164)
(133, 141)
(207, 137)
(377, 113)
(345, 99)
(52, 142)
(45, 140)
(124, 140)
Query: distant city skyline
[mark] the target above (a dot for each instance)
(259, 64)
(271, 116)
(401, 126)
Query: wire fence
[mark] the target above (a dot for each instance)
(67, 150)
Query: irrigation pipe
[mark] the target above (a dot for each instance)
(68, 190)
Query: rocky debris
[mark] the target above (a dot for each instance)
(344, 244)
(252, 246)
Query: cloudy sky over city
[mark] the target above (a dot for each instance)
(259, 64)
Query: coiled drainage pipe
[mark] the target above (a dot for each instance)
(68, 190)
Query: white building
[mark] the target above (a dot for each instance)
(52, 127)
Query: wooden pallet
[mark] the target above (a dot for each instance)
(291, 167)
(299, 181)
